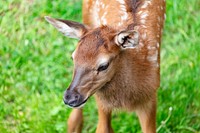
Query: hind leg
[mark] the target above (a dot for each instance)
(75, 121)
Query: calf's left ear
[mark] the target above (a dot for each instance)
(127, 39)
(68, 28)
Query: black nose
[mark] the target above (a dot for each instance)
(72, 98)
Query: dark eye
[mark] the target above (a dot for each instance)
(103, 67)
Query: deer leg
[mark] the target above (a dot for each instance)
(104, 123)
(147, 117)
(75, 121)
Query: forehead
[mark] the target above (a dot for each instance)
(91, 46)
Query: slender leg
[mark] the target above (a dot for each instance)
(104, 123)
(75, 121)
(147, 117)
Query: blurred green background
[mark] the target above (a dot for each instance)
(36, 68)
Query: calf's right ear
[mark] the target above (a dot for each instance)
(68, 28)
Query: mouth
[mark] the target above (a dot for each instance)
(80, 105)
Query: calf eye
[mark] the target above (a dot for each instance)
(103, 67)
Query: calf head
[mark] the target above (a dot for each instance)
(95, 57)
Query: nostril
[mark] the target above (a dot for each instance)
(76, 97)
(67, 97)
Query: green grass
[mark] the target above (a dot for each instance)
(35, 69)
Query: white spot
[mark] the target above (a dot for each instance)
(103, 18)
(121, 1)
(123, 8)
(95, 12)
(124, 17)
(145, 4)
(151, 48)
(143, 26)
(97, 2)
(153, 57)
(158, 45)
(104, 22)
(102, 5)
(142, 21)
(159, 19)
(140, 12)
(119, 24)
(123, 11)
(144, 36)
(161, 8)
(165, 16)
(158, 35)
(144, 15)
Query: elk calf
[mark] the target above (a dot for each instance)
(117, 59)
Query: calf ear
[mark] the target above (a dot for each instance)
(68, 28)
(127, 39)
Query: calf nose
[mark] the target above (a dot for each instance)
(71, 98)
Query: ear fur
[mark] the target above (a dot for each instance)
(127, 39)
(68, 28)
